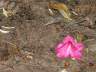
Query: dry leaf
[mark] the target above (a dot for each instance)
(7, 13)
(62, 8)
(7, 27)
(3, 31)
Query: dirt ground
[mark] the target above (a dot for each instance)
(32, 35)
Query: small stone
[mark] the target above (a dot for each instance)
(64, 70)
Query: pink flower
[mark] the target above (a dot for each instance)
(69, 48)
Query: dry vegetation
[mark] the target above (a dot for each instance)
(30, 46)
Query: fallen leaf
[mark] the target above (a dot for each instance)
(7, 27)
(62, 8)
(3, 31)
(5, 12)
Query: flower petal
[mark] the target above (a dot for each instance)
(79, 46)
(68, 39)
(76, 55)
(59, 45)
(63, 52)
(69, 48)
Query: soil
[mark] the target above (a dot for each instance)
(29, 47)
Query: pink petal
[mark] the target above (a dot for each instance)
(76, 55)
(60, 45)
(69, 48)
(79, 46)
(68, 39)
(63, 52)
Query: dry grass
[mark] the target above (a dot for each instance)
(30, 46)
